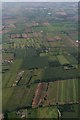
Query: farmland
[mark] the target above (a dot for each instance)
(40, 61)
(19, 97)
(37, 113)
(63, 95)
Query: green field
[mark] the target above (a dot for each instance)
(22, 96)
(59, 73)
(46, 112)
(10, 76)
(62, 60)
(74, 113)
(40, 67)
(34, 62)
(64, 91)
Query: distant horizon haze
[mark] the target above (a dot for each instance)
(39, 0)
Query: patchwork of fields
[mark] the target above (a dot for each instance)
(40, 67)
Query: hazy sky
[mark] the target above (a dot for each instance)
(39, 0)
